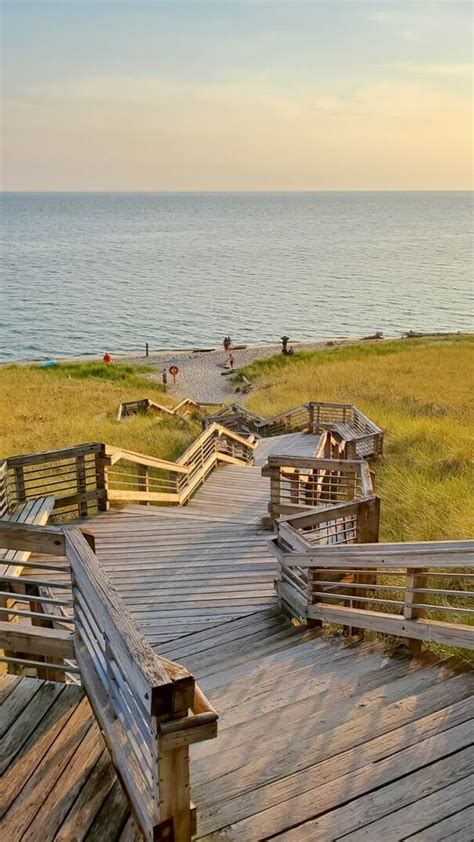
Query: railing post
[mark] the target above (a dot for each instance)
(102, 479)
(20, 483)
(314, 577)
(176, 815)
(81, 484)
(416, 577)
(311, 417)
(275, 492)
(143, 484)
(368, 525)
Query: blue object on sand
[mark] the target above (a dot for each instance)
(48, 363)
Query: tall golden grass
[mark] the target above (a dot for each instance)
(44, 409)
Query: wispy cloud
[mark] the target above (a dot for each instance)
(121, 132)
(460, 71)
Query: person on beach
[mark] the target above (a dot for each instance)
(284, 344)
(231, 360)
(107, 358)
(226, 343)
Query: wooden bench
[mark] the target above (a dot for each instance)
(346, 431)
(35, 512)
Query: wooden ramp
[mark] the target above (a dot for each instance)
(181, 570)
(317, 741)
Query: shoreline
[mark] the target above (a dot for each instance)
(192, 350)
(165, 353)
(200, 371)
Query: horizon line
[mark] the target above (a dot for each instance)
(246, 192)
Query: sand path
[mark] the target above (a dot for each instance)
(202, 375)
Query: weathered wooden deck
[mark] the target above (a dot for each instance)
(185, 569)
(317, 740)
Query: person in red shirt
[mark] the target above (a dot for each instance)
(107, 358)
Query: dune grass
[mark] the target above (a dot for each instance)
(420, 393)
(75, 403)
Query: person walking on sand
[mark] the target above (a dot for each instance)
(231, 360)
(226, 343)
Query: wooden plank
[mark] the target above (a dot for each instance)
(266, 809)
(425, 550)
(424, 812)
(112, 816)
(37, 785)
(20, 696)
(57, 802)
(322, 557)
(26, 722)
(227, 774)
(455, 828)
(32, 640)
(148, 496)
(89, 801)
(38, 744)
(7, 683)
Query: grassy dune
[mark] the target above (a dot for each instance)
(420, 393)
(77, 402)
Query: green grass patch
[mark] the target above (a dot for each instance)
(74, 403)
(112, 372)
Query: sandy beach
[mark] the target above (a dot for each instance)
(202, 374)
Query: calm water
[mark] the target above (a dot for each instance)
(86, 272)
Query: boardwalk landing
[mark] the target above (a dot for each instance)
(318, 740)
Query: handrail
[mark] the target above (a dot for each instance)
(127, 408)
(117, 453)
(298, 483)
(149, 708)
(88, 477)
(206, 434)
(332, 569)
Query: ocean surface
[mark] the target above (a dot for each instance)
(86, 272)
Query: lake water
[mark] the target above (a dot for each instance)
(82, 273)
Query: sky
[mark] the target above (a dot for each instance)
(236, 95)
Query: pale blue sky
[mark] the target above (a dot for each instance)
(191, 94)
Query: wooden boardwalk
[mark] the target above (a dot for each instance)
(181, 570)
(318, 739)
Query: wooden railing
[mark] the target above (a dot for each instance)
(292, 421)
(362, 439)
(149, 708)
(332, 569)
(235, 417)
(183, 409)
(87, 478)
(135, 477)
(297, 483)
(74, 476)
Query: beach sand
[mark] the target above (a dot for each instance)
(200, 375)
